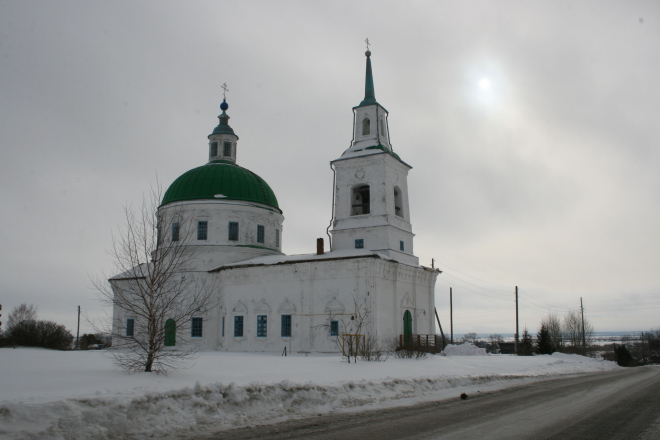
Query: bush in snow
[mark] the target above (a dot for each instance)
(623, 356)
(46, 334)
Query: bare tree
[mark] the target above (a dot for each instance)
(156, 292)
(469, 337)
(573, 330)
(20, 314)
(495, 337)
(553, 325)
(353, 337)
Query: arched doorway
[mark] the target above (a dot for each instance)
(170, 333)
(407, 327)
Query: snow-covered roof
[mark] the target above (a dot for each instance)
(303, 258)
(139, 271)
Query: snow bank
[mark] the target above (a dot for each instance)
(465, 349)
(78, 395)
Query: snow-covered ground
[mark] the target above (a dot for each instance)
(80, 395)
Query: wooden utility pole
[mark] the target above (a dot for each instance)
(444, 342)
(517, 329)
(78, 331)
(451, 317)
(584, 338)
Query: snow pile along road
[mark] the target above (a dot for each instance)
(78, 395)
(465, 349)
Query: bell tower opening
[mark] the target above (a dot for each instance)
(366, 126)
(360, 200)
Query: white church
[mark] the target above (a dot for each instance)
(265, 300)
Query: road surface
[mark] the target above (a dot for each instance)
(622, 404)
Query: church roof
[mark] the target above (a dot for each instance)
(220, 179)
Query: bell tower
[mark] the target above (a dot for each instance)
(371, 209)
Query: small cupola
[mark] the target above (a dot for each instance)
(223, 140)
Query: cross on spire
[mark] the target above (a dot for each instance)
(367, 41)
(225, 90)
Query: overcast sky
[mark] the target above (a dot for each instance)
(533, 129)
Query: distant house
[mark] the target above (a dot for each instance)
(507, 347)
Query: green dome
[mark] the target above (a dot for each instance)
(218, 180)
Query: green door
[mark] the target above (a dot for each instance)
(407, 327)
(170, 333)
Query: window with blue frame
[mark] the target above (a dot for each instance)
(130, 327)
(334, 328)
(402, 246)
(261, 233)
(196, 328)
(175, 231)
(202, 230)
(262, 326)
(238, 326)
(233, 231)
(277, 238)
(286, 326)
(359, 243)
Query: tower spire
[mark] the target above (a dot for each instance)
(369, 92)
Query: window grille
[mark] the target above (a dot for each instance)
(202, 230)
(261, 232)
(359, 243)
(196, 328)
(233, 231)
(262, 326)
(334, 328)
(175, 231)
(238, 326)
(226, 149)
(286, 326)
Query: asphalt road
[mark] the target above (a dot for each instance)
(623, 404)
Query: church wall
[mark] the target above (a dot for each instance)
(315, 293)
(303, 290)
(401, 287)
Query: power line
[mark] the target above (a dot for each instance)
(463, 273)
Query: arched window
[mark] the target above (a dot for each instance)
(360, 200)
(170, 333)
(366, 126)
(398, 206)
